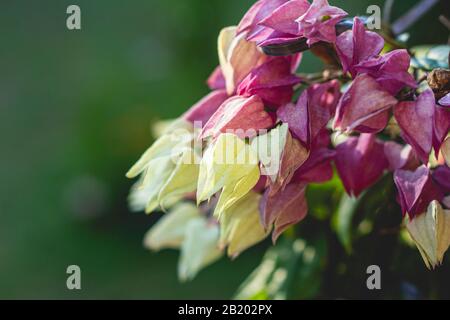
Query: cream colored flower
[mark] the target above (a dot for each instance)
(431, 233)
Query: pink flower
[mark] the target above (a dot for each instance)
(441, 176)
(400, 157)
(364, 107)
(271, 22)
(206, 107)
(260, 10)
(216, 80)
(441, 127)
(360, 162)
(415, 190)
(389, 70)
(416, 121)
(318, 168)
(445, 101)
(284, 208)
(319, 22)
(273, 81)
(357, 46)
(238, 113)
(315, 107)
(283, 19)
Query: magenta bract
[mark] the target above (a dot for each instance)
(242, 115)
(364, 107)
(360, 162)
(416, 120)
(358, 46)
(415, 190)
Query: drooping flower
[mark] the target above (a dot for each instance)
(199, 248)
(273, 82)
(169, 232)
(364, 107)
(358, 46)
(416, 190)
(277, 22)
(416, 120)
(360, 162)
(228, 165)
(389, 70)
(260, 10)
(319, 22)
(185, 228)
(314, 109)
(431, 233)
(283, 19)
(240, 225)
(243, 115)
(168, 169)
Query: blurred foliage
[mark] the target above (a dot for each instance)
(75, 112)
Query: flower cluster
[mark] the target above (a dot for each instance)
(246, 153)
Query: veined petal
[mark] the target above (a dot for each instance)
(199, 248)
(240, 225)
(431, 233)
(364, 107)
(183, 179)
(224, 164)
(441, 176)
(313, 111)
(269, 148)
(415, 119)
(283, 19)
(232, 193)
(260, 10)
(283, 208)
(400, 157)
(416, 190)
(318, 168)
(360, 162)
(237, 57)
(273, 81)
(319, 22)
(243, 115)
(170, 230)
(206, 107)
(216, 81)
(390, 70)
(172, 144)
(293, 157)
(356, 46)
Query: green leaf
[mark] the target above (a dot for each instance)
(429, 58)
(342, 220)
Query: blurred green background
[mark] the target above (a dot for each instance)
(75, 111)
